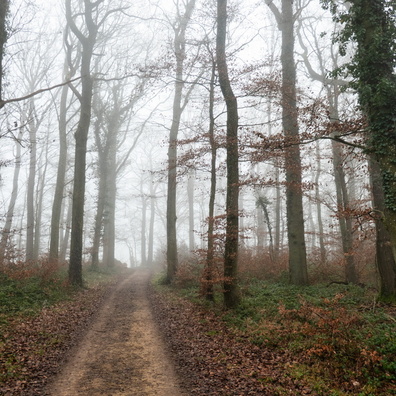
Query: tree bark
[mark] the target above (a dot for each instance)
(319, 207)
(294, 206)
(81, 136)
(60, 177)
(208, 275)
(39, 203)
(14, 194)
(30, 187)
(385, 261)
(4, 8)
(171, 213)
(150, 254)
(231, 291)
(191, 213)
(143, 232)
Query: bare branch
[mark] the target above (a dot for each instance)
(21, 98)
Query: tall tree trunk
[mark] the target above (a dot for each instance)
(344, 220)
(319, 206)
(60, 177)
(102, 189)
(374, 27)
(260, 231)
(30, 187)
(191, 213)
(294, 207)
(14, 194)
(110, 196)
(231, 292)
(384, 256)
(209, 265)
(39, 203)
(143, 232)
(277, 238)
(171, 216)
(150, 248)
(81, 138)
(98, 221)
(4, 8)
(64, 243)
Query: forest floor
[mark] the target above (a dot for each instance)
(129, 339)
(135, 340)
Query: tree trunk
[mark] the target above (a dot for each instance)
(150, 248)
(384, 257)
(319, 207)
(373, 21)
(207, 285)
(191, 213)
(81, 137)
(60, 178)
(30, 187)
(143, 232)
(231, 292)
(171, 215)
(39, 203)
(110, 196)
(294, 206)
(344, 219)
(65, 240)
(277, 238)
(14, 194)
(4, 8)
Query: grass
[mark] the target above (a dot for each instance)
(26, 290)
(342, 340)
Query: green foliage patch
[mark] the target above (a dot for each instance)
(342, 339)
(28, 296)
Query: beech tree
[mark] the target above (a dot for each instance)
(371, 24)
(179, 104)
(6, 232)
(69, 70)
(333, 89)
(4, 8)
(295, 219)
(85, 23)
(230, 284)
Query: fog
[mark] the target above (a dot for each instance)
(133, 65)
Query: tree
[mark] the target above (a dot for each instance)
(333, 89)
(68, 71)
(294, 207)
(210, 254)
(371, 24)
(4, 8)
(231, 292)
(5, 237)
(179, 104)
(87, 40)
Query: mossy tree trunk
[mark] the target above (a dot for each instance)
(231, 291)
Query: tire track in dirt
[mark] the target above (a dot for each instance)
(122, 354)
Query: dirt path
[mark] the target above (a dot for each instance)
(122, 353)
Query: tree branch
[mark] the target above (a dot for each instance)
(21, 98)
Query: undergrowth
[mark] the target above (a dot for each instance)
(33, 326)
(341, 340)
(27, 288)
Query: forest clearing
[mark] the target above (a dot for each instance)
(135, 337)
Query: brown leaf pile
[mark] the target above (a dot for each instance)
(211, 360)
(33, 349)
